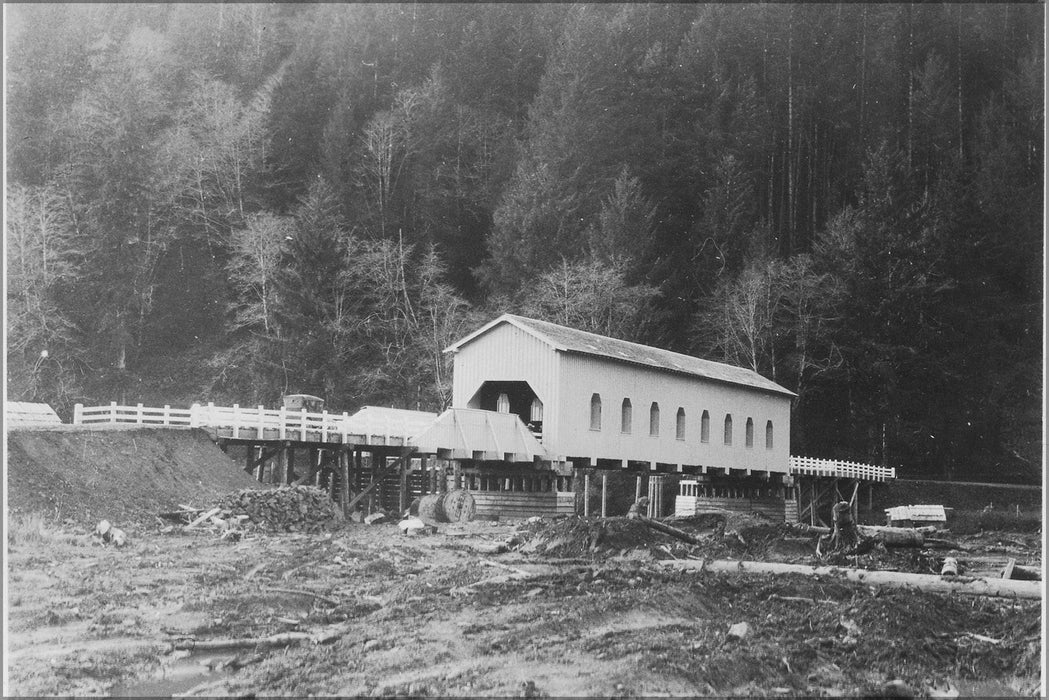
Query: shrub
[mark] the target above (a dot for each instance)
(970, 522)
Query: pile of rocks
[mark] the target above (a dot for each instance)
(284, 509)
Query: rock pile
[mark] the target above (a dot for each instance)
(284, 509)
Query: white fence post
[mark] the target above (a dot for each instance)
(345, 427)
(112, 411)
(302, 425)
(194, 415)
(78, 413)
(236, 421)
(138, 414)
(262, 423)
(283, 422)
(167, 414)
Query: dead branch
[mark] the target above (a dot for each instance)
(295, 591)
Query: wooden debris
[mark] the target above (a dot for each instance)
(635, 514)
(288, 509)
(916, 537)
(203, 517)
(1020, 573)
(325, 635)
(505, 567)
(276, 640)
(927, 582)
(310, 594)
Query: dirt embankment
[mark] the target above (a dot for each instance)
(123, 474)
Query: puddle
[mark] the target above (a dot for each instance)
(178, 673)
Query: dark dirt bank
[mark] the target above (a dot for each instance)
(123, 474)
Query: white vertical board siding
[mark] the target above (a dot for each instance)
(582, 376)
(506, 353)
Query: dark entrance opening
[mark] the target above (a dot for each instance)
(511, 397)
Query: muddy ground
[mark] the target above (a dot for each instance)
(571, 608)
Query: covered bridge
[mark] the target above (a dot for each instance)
(600, 401)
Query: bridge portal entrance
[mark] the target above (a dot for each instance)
(511, 397)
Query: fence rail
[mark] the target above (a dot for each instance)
(244, 422)
(811, 466)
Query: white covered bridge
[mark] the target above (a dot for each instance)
(535, 404)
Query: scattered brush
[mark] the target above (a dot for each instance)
(972, 522)
(31, 528)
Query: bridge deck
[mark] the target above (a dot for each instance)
(370, 426)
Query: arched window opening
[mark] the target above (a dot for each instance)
(595, 412)
(704, 427)
(728, 428)
(627, 420)
(680, 433)
(502, 404)
(750, 432)
(768, 435)
(653, 419)
(536, 414)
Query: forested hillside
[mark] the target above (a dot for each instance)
(229, 202)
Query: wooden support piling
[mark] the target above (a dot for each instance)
(344, 487)
(604, 494)
(402, 496)
(289, 463)
(586, 494)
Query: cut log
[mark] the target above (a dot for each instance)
(900, 537)
(1026, 573)
(201, 518)
(1021, 573)
(308, 594)
(666, 529)
(890, 536)
(891, 579)
(276, 640)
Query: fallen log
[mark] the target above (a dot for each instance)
(890, 579)
(900, 537)
(1016, 572)
(665, 529)
(276, 640)
(325, 635)
(893, 536)
(308, 594)
(203, 517)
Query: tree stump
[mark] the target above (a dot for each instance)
(845, 537)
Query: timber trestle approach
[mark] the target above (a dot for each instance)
(377, 458)
(820, 483)
(383, 458)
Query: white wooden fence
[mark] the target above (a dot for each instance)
(370, 425)
(811, 466)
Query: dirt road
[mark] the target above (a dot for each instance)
(442, 615)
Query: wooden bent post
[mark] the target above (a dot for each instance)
(379, 475)
(964, 585)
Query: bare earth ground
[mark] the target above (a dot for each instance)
(442, 615)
